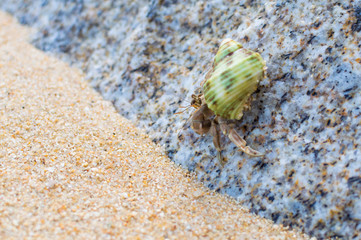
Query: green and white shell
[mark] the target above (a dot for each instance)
(234, 77)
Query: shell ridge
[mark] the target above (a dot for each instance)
(238, 84)
(244, 92)
(217, 73)
(230, 98)
(235, 76)
(227, 47)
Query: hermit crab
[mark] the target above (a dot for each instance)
(225, 94)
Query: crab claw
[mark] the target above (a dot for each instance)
(229, 131)
(241, 144)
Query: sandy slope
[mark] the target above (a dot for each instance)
(70, 166)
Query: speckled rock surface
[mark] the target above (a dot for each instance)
(148, 57)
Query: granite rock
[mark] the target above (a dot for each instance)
(148, 57)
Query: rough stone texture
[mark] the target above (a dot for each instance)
(149, 57)
(72, 168)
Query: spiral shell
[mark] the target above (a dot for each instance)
(235, 76)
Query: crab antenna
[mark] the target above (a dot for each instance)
(186, 108)
(182, 128)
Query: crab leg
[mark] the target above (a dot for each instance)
(228, 130)
(217, 140)
(216, 136)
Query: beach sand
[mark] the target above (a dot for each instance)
(72, 168)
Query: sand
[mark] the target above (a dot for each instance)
(72, 167)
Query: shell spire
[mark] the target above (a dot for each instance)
(235, 76)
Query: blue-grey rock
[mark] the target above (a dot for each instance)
(148, 57)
